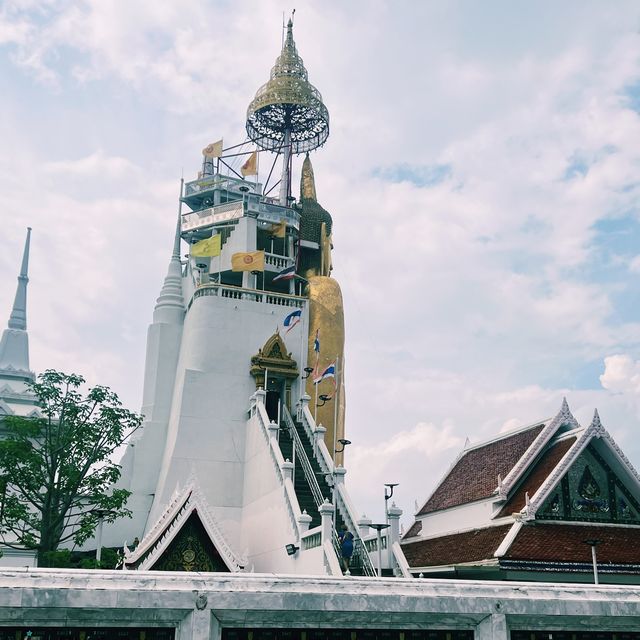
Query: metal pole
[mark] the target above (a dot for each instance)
(99, 540)
(379, 552)
(315, 404)
(595, 564)
(335, 412)
(284, 182)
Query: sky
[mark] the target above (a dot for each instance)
(482, 172)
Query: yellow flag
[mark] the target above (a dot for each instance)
(213, 150)
(251, 261)
(278, 230)
(250, 167)
(207, 248)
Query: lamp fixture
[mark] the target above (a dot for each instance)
(292, 549)
(324, 398)
(344, 443)
(308, 371)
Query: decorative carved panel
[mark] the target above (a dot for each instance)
(191, 550)
(591, 491)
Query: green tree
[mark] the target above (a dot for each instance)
(56, 473)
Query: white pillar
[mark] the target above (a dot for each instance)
(304, 521)
(304, 402)
(339, 474)
(493, 627)
(273, 430)
(363, 526)
(326, 514)
(260, 395)
(393, 514)
(287, 466)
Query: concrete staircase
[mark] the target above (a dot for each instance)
(303, 491)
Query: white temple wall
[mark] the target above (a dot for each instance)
(143, 456)
(469, 516)
(266, 524)
(206, 434)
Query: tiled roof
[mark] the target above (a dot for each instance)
(475, 475)
(565, 543)
(538, 474)
(478, 544)
(414, 530)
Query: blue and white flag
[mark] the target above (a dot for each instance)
(288, 273)
(329, 372)
(292, 319)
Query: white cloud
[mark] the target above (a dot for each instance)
(621, 374)
(97, 164)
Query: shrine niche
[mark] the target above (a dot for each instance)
(191, 550)
(274, 358)
(590, 491)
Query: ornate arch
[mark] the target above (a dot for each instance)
(274, 357)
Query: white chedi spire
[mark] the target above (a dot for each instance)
(14, 346)
(170, 303)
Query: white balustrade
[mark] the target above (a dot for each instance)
(252, 295)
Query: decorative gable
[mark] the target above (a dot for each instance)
(191, 550)
(590, 491)
(186, 535)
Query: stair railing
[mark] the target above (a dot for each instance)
(301, 456)
(340, 497)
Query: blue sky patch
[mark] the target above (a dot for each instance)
(419, 175)
(632, 96)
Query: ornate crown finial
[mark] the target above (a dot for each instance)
(288, 102)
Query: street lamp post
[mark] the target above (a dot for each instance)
(379, 527)
(593, 544)
(387, 497)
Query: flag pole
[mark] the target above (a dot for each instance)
(315, 404)
(303, 360)
(335, 411)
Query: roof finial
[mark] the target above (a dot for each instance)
(14, 345)
(176, 241)
(170, 303)
(18, 317)
(596, 425)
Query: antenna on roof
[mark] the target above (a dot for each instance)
(467, 442)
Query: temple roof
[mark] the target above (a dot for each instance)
(474, 475)
(545, 542)
(538, 474)
(457, 548)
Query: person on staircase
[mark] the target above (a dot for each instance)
(346, 548)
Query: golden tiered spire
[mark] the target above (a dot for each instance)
(307, 181)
